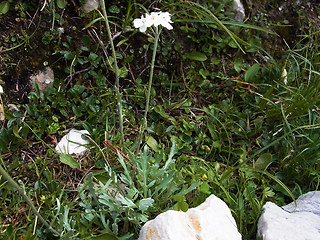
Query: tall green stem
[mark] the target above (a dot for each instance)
(27, 199)
(116, 70)
(144, 125)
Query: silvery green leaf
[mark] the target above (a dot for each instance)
(145, 203)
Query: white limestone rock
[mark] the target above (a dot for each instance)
(212, 220)
(291, 222)
(73, 143)
(309, 202)
(238, 9)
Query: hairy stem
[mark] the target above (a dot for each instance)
(144, 124)
(28, 200)
(116, 70)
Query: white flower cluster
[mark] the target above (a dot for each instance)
(154, 18)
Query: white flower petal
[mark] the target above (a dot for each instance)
(166, 16)
(149, 20)
(143, 28)
(1, 89)
(167, 25)
(137, 23)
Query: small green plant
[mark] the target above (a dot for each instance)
(27, 199)
(118, 200)
(157, 21)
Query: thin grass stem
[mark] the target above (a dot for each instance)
(116, 70)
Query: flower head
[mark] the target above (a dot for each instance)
(164, 19)
(154, 18)
(141, 23)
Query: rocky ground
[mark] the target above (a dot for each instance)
(24, 33)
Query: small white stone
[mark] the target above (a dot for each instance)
(90, 5)
(73, 143)
(43, 79)
(238, 9)
(212, 220)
